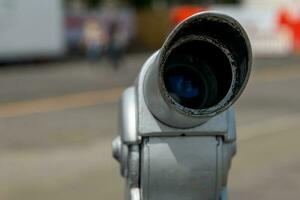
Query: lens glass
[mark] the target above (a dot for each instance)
(197, 75)
(186, 85)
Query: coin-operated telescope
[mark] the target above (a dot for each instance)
(177, 124)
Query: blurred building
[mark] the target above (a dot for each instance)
(273, 25)
(35, 29)
(268, 3)
(31, 29)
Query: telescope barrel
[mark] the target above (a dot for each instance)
(200, 71)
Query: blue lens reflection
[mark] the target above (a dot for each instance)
(184, 86)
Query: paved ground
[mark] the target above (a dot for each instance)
(57, 121)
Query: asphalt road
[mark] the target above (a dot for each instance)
(57, 121)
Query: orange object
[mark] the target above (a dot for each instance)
(180, 13)
(286, 20)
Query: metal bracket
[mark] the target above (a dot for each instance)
(181, 168)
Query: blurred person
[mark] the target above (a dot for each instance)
(116, 44)
(118, 22)
(74, 24)
(94, 39)
(74, 15)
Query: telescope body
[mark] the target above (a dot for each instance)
(177, 123)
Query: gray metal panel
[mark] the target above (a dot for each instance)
(231, 134)
(179, 168)
(150, 126)
(128, 117)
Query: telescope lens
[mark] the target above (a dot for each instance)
(189, 86)
(197, 75)
(184, 85)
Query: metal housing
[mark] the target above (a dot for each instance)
(173, 153)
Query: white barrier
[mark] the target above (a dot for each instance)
(261, 23)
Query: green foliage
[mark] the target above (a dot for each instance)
(141, 3)
(93, 3)
(229, 1)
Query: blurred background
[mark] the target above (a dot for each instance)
(64, 64)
